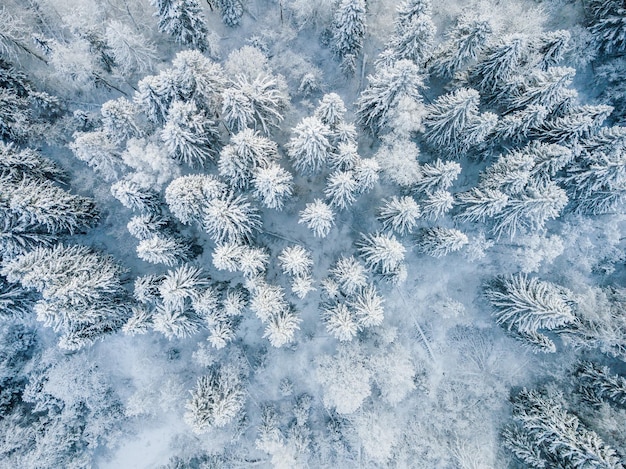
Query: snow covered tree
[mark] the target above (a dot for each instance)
(42, 204)
(146, 225)
(349, 274)
(596, 179)
(601, 383)
(318, 217)
(100, 152)
(281, 327)
(16, 164)
(465, 41)
(134, 197)
(340, 322)
(554, 436)
(551, 47)
(146, 288)
(479, 204)
(15, 302)
(366, 174)
(331, 111)
(272, 185)
(538, 203)
(367, 304)
(349, 28)
(183, 20)
(246, 153)
(438, 241)
(217, 400)
(453, 123)
(187, 196)
(414, 34)
(259, 102)
(252, 261)
(399, 214)
(267, 301)
(226, 256)
(295, 261)
(181, 284)
(154, 95)
(439, 175)
(341, 189)
(345, 157)
(228, 217)
(606, 23)
(345, 378)
(83, 296)
(232, 11)
(133, 53)
(580, 122)
(163, 249)
(386, 88)
(196, 78)
(517, 126)
(437, 204)
(547, 88)
(119, 119)
(382, 253)
(302, 285)
(309, 147)
(528, 304)
(397, 159)
(500, 63)
(189, 135)
(176, 321)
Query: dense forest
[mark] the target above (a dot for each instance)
(312, 234)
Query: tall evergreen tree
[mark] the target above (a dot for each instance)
(349, 29)
(183, 20)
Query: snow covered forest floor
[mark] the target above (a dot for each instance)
(312, 234)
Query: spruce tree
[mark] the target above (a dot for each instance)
(309, 148)
(183, 20)
(438, 241)
(318, 217)
(349, 28)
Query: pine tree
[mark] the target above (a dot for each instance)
(16, 165)
(272, 185)
(453, 123)
(217, 400)
(439, 175)
(252, 261)
(414, 33)
(163, 249)
(226, 256)
(119, 119)
(499, 65)
(527, 305)
(183, 20)
(366, 174)
(264, 95)
(181, 284)
(281, 327)
(196, 78)
(189, 135)
(558, 435)
(295, 261)
(465, 42)
(133, 52)
(349, 274)
(154, 95)
(230, 218)
(349, 28)
(246, 153)
(145, 226)
(340, 322)
(302, 285)
(382, 253)
(318, 217)
(15, 302)
(551, 46)
(134, 197)
(232, 11)
(601, 383)
(386, 87)
(399, 214)
(397, 159)
(517, 126)
(146, 288)
(83, 296)
(345, 157)
(187, 196)
(331, 111)
(309, 147)
(341, 189)
(268, 301)
(547, 88)
(479, 204)
(176, 321)
(367, 304)
(439, 242)
(606, 23)
(44, 205)
(581, 122)
(538, 203)
(100, 152)
(437, 204)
